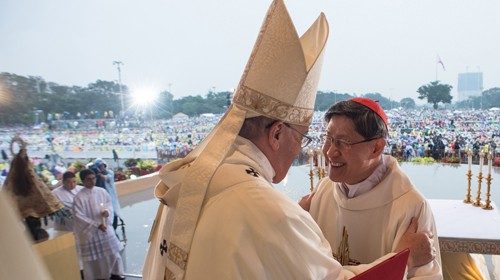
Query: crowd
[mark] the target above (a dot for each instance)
(414, 133)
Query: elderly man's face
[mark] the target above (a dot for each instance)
(348, 163)
(291, 146)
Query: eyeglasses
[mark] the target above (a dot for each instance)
(306, 140)
(342, 144)
(88, 178)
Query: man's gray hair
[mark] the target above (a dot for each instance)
(254, 127)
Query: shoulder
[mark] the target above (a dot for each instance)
(324, 191)
(57, 190)
(324, 186)
(257, 201)
(81, 195)
(397, 180)
(100, 191)
(228, 176)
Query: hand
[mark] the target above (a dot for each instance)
(102, 227)
(421, 245)
(105, 213)
(305, 201)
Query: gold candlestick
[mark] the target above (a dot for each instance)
(488, 206)
(478, 198)
(311, 178)
(468, 196)
(323, 173)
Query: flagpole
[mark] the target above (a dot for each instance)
(436, 71)
(436, 67)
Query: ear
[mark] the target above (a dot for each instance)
(378, 148)
(275, 134)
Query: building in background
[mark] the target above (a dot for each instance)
(469, 85)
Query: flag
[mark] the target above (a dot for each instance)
(439, 61)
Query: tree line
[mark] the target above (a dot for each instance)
(25, 100)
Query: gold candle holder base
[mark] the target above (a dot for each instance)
(468, 199)
(318, 173)
(478, 198)
(488, 206)
(322, 173)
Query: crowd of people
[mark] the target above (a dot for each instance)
(414, 133)
(219, 216)
(162, 139)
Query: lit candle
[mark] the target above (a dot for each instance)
(103, 219)
(320, 160)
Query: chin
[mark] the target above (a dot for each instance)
(335, 178)
(278, 179)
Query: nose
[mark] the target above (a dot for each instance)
(330, 151)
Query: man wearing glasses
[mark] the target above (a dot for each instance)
(367, 202)
(219, 216)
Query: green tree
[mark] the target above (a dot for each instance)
(164, 105)
(18, 98)
(407, 103)
(386, 103)
(435, 92)
(325, 100)
(490, 98)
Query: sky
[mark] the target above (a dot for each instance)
(194, 46)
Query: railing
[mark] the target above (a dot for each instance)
(129, 275)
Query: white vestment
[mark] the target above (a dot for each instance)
(247, 229)
(66, 197)
(99, 251)
(375, 220)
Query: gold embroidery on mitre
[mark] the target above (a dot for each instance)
(177, 256)
(343, 251)
(272, 107)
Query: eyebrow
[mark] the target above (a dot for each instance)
(342, 136)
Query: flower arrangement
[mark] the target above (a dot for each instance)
(451, 159)
(423, 160)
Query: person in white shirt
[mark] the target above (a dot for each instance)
(98, 245)
(66, 194)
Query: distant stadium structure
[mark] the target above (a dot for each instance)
(470, 84)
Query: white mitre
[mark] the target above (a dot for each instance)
(279, 82)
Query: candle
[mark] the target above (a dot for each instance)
(469, 159)
(490, 163)
(481, 157)
(103, 219)
(310, 160)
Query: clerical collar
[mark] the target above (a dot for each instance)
(369, 183)
(247, 148)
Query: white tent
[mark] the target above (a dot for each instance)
(180, 116)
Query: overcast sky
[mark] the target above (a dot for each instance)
(386, 46)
